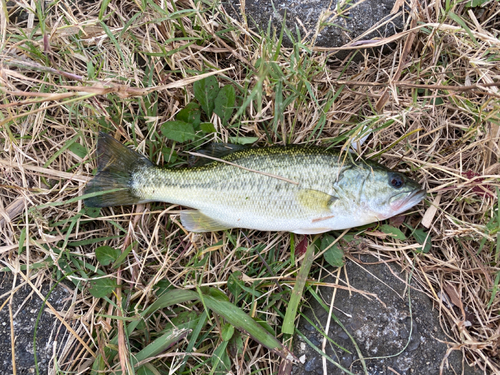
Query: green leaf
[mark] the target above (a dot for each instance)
(169, 154)
(461, 22)
(351, 239)
(107, 255)
(233, 284)
(236, 345)
(240, 320)
(326, 241)
(190, 114)
(22, 238)
(436, 101)
(288, 326)
(264, 324)
(220, 360)
(334, 255)
(162, 343)
(163, 286)
(393, 232)
(216, 293)
(90, 70)
(92, 212)
(207, 127)
(231, 313)
(475, 3)
(205, 91)
(422, 237)
(185, 319)
(102, 287)
(123, 254)
(146, 370)
(78, 150)
(178, 131)
(243, 140)
(224, 103)
(227, 332)
(168, 298)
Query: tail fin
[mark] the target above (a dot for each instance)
(116, 164)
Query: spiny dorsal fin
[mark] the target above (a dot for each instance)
(215, 150)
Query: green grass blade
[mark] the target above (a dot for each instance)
(291, 312)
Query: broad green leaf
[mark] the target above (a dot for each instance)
(264, 324)
(475, 3)
(22, 238)
(236, 345)
(184, 319)
(437, 101)
(92, 212)
(169, 298)
(351, 239)
(242, 321)
(102, 287)
(422, 237)
(216, 293)
(224, 103)
(326, 241)
(222, 307)
(227, 332)
(220, 360)
(147, 369)
(392, 231)
(243, 140)
(207, 127)
(168, 154)
(98, 366)
(90, 70)
(107, 254)
(78, 150)
(162, 286)
(334, 256)
(233, 284)
(205, 91)
(191, 114)
(178, 131)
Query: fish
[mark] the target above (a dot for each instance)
(299, 189)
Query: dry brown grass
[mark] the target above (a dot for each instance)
(433, 108)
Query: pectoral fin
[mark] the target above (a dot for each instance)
(315, 200)
(195, 221)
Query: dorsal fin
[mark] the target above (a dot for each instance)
(215, 150)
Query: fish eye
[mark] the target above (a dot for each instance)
(396, 181)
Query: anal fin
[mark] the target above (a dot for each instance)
(195, 221)
(311, 230)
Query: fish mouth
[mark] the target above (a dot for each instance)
(404, 201)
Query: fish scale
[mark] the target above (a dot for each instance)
(281, 188)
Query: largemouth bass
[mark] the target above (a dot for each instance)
(282, 188)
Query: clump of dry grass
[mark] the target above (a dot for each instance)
(430, 106)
